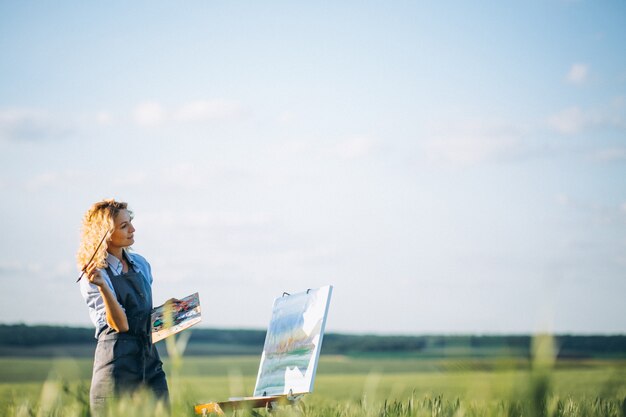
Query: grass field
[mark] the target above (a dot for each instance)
(345, 386)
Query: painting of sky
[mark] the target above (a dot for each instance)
(452, 166)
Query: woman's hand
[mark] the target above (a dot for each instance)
(94, 276)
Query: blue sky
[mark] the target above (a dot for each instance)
(450, 167)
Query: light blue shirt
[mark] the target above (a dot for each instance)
(92, 296)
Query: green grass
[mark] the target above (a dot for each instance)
(345, 386)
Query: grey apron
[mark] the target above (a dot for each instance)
(127, 361)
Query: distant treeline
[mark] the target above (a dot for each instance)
(21, 339)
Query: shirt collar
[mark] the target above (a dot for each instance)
(116, 265)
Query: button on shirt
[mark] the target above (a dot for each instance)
(92, 296)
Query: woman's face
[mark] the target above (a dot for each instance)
(123, 234)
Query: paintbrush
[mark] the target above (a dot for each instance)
(94, 254)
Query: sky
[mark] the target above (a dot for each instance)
(449, 167)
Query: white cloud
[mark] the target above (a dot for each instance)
(616, 113)
(568, 121)
(595, 210)
(562, 199)
(132, 178)
(14, 267)
(54, 179)
(205, 219)
(286, 117)
(65, 268)
(184, 175)
(354, 147)
(577, 74)
(149, 114)
(610, 154)
(104, 118)
(472, 143)
(43, 180)
(42, 271)
(206, 110)
(293, 147)
(574, 120)
(23, 124)
(152, 113)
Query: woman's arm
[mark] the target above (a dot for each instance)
(115, 315)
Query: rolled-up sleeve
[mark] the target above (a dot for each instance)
(94, 301)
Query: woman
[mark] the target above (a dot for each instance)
(118, 292)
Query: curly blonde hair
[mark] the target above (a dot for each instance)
(98, 221)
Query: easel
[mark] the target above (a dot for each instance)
(248, 403)
(267, 394)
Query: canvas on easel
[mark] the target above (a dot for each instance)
(290, 353)
(293, 343)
